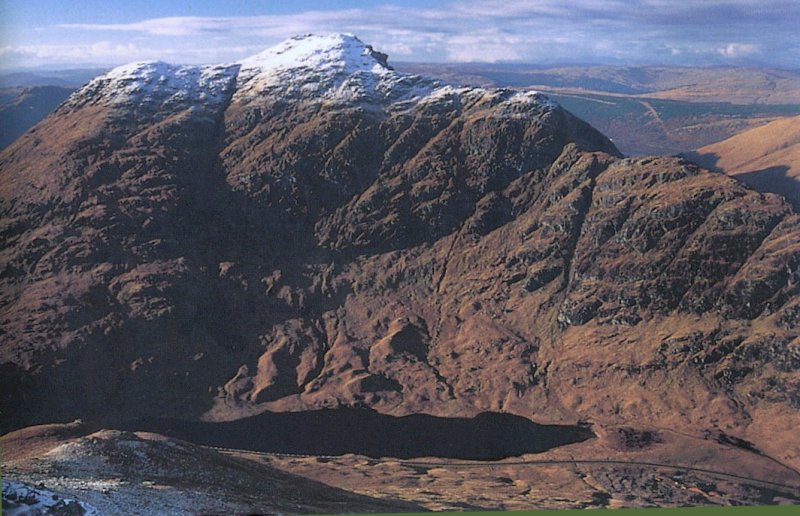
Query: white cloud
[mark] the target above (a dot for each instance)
(239, 25)
(734, 50)
(545, 31)
(107, 52)
(489, 45)
(485, 53)
(100, 49)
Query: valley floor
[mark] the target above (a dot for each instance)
(138, 473)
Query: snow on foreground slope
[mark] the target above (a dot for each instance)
(115, 472)
(23, 500)
(335, 69)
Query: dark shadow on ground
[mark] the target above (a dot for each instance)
(774, 180)
(488, 436)
(770, 180)
(708, 160)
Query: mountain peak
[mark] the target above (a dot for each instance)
(342, 52)
(331, 68)
(336, 69)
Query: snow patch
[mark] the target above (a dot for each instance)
(338, 68)
(21, 499)
(533, 97)
(337, 53)
(161, 85)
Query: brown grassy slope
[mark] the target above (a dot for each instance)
(624, 467)
(767, 157)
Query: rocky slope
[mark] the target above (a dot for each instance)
(310, 228)
(766, 158)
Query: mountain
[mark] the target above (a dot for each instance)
(21, 109)
(766, 158)
(309, 228)
(26, 98)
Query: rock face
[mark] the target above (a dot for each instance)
(309, 228)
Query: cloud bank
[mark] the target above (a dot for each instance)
(537, 31)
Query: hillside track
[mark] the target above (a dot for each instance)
(795, 490)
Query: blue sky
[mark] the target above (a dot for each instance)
(681, 32)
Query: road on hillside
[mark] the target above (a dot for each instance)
(795, 490)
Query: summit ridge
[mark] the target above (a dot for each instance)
(337, 69)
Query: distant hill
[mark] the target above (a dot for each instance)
(647, 110)
(767, 157)
(689, 84)
(650, 126)
(67, 78)
(22, 108)
(28, 97)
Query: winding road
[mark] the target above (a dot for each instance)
(794, 490)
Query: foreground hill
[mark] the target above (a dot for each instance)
(74, 466)
(766, 158)
(309, 229)
(114, 472)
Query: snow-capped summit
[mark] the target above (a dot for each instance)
(336, 70)
(333, 68)
(340, 53)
